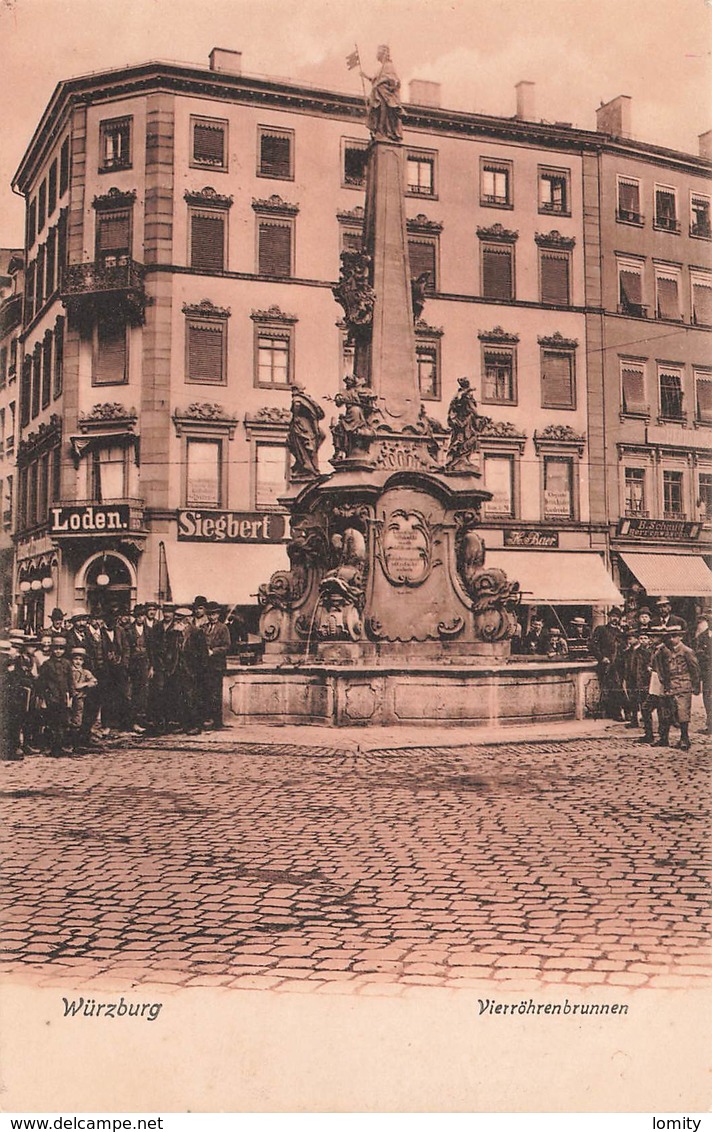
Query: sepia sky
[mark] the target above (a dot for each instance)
(578, 52)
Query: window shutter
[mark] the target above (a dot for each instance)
(275, 250)
(205, 353)
(207, 241)
(704, 399)
(497, 273)
(209, 143)
(556, 379)
(275, 153)
(668, 301)
(46, 370)
(702, 304)
(631, 289)
(114, 231)
(665, 205)
(110, 360)
(633, 391)
(58, 357)
(421, 255)
(555, 279)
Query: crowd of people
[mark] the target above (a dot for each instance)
(90, 677)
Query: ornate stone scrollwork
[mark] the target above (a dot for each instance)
(342, 590)
(494, 597)
(353, 431)
(355, 294)
(307, 552)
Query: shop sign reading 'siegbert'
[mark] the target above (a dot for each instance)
(231, 526)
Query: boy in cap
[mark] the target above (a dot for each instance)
(83, 681)
(54, 687)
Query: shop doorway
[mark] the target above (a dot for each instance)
(108, 586)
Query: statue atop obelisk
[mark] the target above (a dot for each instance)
(380, 314)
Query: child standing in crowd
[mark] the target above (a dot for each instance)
(82, 683)
(680, 678)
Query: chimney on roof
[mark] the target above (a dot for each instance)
(424, 93)
(705, 141)
(525, 101)
(614, 117)
(222, 59)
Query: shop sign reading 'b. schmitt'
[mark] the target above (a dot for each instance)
(230, 526)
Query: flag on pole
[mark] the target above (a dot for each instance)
(353, 60)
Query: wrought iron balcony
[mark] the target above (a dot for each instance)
(701, 228)
(636, 310)
(667, 223)
(629, 216)
(87, 288)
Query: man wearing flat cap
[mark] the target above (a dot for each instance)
(139, 668)
(217, 638)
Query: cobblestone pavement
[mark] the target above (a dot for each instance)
(215, 862)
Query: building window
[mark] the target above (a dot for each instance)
(113, 237)
(498, 376)
(704, 496)
(51, 262)
(633, 399)
(40, 278)
(208, 237)
(701, 286)
(666, 209)
(110, 353)
(47, 369)
(274, 247)
(208, 142)
(420, 173)
(671, 396)
(554, 271)
(635, 491)
(206, 351)
(630, 288)
(108, 470)
(41, 206)
(36, 379)
(423, 256)
(554, 191)
(115, 143)
(497, 272)
(271, 476)
(558, 487)
(355, 160)
(64, 167)
(700, 216)
(52, 188)
(499, 479)
(273, 357)
(667, 293)
(496, 183)
(203, 473)
(427, 362)
(31, 223)
(351, 239)
(628, 210)
(703, 392)
(558, 384)
(276, 151)
(58, 357)
(3, 367)
(30, 293)
(25, 392)
(673, 505)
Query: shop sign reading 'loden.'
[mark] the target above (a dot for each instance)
(231, 526)
(89, 519)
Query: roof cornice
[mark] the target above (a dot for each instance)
(184, 79)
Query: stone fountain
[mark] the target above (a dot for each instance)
(388, 612)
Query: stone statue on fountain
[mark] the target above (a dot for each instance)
(304, 436)
(465, 424)
(353, 431)
(385, 110)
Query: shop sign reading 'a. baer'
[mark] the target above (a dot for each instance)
(230, 526)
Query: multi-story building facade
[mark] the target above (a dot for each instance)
(11, 263)
(650, 359)
(184, 228)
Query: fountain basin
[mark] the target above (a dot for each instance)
(367, 695)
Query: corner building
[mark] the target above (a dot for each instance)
(184, 228)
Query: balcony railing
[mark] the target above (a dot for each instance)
(636, 513)
(635, 310)
(629, 216)
(494, 198)
(678, 516)
(702, 228)
(87, 287)
(667, 223)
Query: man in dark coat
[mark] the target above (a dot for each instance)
(139, 668)
(217, 638)
(54, 687)
(535, 641)
(185, 655)
(666, 619)
(114, 675)
(607, 643)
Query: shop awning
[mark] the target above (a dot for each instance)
(558, 578)
(229, 574)
(671, 575)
